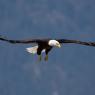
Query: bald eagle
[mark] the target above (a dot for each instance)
(45, 45)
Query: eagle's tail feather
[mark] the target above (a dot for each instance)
(33, 50)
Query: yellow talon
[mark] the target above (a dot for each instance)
(39, 57)
(46, 58)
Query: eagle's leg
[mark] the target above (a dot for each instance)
(39, 57)
(39, 50)
(47, 51)
(46, 57)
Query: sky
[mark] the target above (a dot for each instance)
(70, 70)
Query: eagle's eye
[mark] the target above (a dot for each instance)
(57, 44)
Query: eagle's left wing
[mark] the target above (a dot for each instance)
(76, 42)
(21, 41)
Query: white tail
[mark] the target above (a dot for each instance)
(33, 50)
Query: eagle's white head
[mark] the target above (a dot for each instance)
(54, 43)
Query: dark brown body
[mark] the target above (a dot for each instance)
(43, 45)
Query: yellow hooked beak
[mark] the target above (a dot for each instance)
(58, 45)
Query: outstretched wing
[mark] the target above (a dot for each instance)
(76, 42)
(21, 41)
(42, 40)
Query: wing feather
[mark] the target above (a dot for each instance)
(76, 42)
(42, 40)
(20, 41)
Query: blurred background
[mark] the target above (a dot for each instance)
(69, 70)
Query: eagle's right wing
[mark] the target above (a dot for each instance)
(76, 42)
